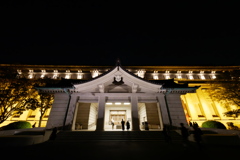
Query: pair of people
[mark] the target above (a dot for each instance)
(197, 134)
(123, 125)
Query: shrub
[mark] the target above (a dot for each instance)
(18, 125)
(213, 124)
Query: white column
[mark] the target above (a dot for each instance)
(101, 111)
(135, 118)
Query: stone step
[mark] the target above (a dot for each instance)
(74, 136)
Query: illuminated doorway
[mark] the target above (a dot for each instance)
(116, 116)
(115, 113)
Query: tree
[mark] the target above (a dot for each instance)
(45, 102)
(213, 124)
(226, 90)
(18, 94)
(15, 96)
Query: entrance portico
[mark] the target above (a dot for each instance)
(93, 116)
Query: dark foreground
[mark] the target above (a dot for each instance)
(119, 150)
(66, 146)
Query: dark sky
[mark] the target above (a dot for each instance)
(98, 32)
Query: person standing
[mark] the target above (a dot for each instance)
(123, 124)
(128, 125)
(185, 134)
(112, 122)
(166, 134)
(190, 124)
(54, 133)
(197, 134)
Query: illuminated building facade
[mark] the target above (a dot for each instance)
(91, 97)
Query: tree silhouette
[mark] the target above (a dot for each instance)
(226, 90)
(44, 103)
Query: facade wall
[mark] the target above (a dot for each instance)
(197, 107)
(200, 108)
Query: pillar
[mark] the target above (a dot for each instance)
(101, 111)
(135, 118)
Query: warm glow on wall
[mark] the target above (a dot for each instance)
(95, 73)
(213, 77)
(155, 77)
(141, 73)
(179, 76)
(198, 107)
(79, 76)
(202, 77)
(67, 76)
(30, 76)
(19, 71)
(190, 77)
(55, 76)
(167, 76)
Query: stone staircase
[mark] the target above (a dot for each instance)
(80, 136)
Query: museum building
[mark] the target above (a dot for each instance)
(93, 97)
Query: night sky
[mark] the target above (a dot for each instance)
(99, 32)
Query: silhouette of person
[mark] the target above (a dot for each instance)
(123, 124)
(54, 134)
(197, 135)
(112, 124)
(128, 125)
(195, 124)
(190, 124)
(185, 134)
(166, 134)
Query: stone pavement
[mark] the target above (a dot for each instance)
(119, 148)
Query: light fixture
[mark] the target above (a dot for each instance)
(190, 77)
(167, 77)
